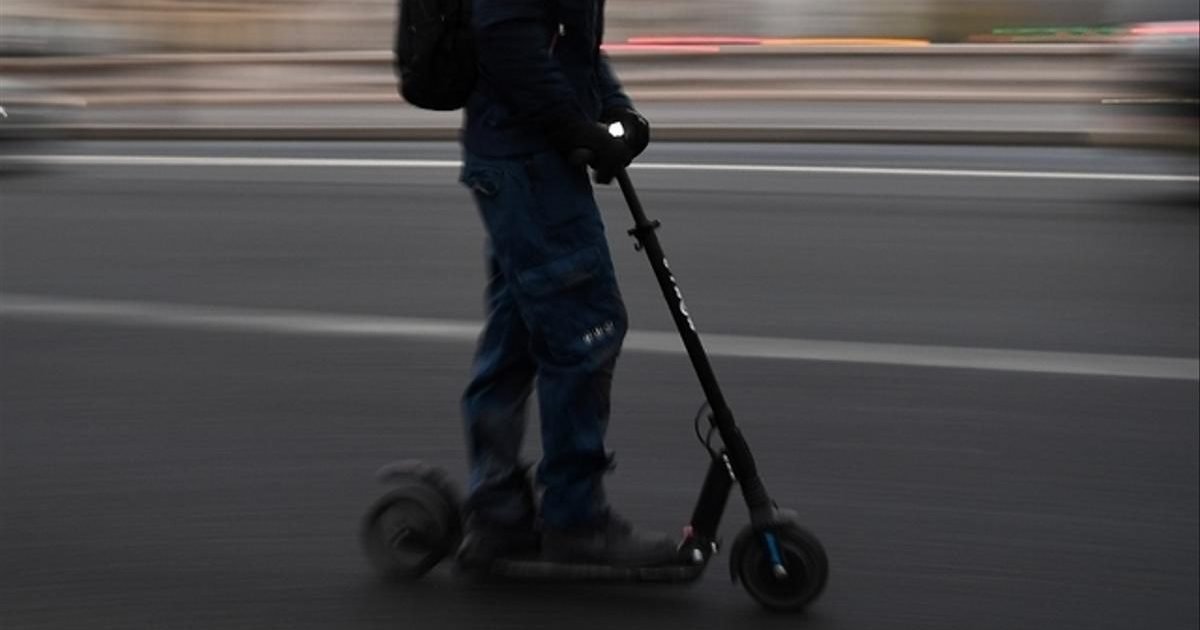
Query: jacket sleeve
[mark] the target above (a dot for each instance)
(611, 93)
(513, 44)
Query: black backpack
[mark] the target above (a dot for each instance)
(435, 55)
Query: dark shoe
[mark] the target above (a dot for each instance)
(484, 542)
(612, 542)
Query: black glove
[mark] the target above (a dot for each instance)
(605, 154)
(637, 128)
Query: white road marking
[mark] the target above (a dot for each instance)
(195, 160)
(918, 172)
(226, 319)
(216, 161)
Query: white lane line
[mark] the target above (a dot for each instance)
(164, 315)
(184, 160)
(918, 172)
(175, 160)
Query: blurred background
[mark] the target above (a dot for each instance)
(945, 254)
(1115, 71)
(94, 26)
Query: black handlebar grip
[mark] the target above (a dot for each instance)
(580, 156)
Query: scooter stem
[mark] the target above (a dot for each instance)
(740, 459)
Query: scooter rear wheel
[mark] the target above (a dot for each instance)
(408, 531)
(805, 567)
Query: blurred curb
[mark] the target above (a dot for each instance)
(668, 133)
(936, 73)
(652, 53)
(767, 92)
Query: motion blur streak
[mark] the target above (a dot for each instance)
(164, 160)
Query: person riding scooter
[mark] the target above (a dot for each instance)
(554, 311)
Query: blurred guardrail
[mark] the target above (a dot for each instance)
(165, 95)
(973, 72)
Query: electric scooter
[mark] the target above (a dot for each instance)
(418, 522)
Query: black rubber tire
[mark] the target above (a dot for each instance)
(803, 556)
(409, 531)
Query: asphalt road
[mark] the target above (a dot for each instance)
(166, 470)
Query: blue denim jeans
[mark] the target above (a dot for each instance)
(554, 317)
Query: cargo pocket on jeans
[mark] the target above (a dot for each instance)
(572, 270)
(576, 309)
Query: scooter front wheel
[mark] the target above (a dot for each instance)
(783, 567)
(409, 530)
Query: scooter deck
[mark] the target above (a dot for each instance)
(536, 569)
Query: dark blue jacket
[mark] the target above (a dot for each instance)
(541, 72)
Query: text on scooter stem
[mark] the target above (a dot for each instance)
(683, 310)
